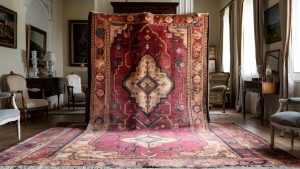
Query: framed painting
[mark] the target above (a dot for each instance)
(212, 53)
(272, 24)
(78, 42)
(36, 41)
(8, 28)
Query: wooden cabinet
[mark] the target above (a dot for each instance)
(52, 85)
(137, 7)
(262, 88)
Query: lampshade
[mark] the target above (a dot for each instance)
(49, 56)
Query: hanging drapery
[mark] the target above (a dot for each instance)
(220, 55)
(230, 40)
(238, 103)
(285, 22)
(259, 44)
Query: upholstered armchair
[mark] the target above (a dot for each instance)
(75, 94)
(17, 83)
(218, 82)
(10, 115)
(286, 120)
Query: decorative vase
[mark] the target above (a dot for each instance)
(34, 63)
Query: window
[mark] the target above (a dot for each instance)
(294, 50)
(226, 41)
(248, 54)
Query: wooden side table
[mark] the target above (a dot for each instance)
(262, 88)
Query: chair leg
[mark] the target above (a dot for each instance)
(25, 116)
(19, 129)
(68, 105)
(292, 139)
(272, 136)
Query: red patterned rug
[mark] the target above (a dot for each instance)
(225, 145)
(148, 103)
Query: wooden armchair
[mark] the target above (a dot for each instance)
(17, 83)
(9, 115)
(218, 89)
(75, 94)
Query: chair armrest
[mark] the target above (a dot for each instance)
(36, 90)
(13, 101)
(4, 95)
(22, 97)
(294, 101)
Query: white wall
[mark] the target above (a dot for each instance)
(15, 59)
(74, 10)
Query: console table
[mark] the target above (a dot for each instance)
(52, 86)
(262, 88)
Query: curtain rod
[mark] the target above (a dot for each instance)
(226, 5)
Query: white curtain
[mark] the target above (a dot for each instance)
(248, 50)
(226, 40)
(294, 49)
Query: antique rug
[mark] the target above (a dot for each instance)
(226, 145)
(148, 103)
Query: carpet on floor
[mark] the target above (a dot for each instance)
(223, 145)
(148, 103)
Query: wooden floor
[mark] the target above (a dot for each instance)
(8, 132)
(254, 126)
(8, 136)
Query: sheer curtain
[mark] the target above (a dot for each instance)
(226, 40)
(294, 50)
(248, 50)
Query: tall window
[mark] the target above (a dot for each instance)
(294, 50)
(226, 40)
(248, 54)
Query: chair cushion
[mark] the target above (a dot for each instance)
(79, 97)
(287, 118)
(218, 88)
(8, 113)
(33, 103)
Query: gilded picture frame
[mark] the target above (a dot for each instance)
(8, 27)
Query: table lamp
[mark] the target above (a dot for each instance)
(50, 58)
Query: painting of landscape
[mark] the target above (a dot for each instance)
(272, 24)
(8, 27)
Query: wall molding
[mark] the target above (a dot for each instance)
(45, 5)
(184, 7)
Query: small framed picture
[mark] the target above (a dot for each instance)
(272, 24)
(8, 28)
(212, 52)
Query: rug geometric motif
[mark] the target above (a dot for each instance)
(148, 85)
(149, 140)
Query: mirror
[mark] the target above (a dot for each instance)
(272, 60)
(36, 41)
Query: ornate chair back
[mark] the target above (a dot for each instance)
(16, 82)
(75, 81)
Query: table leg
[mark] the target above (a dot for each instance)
(262, 108)
(244, 105)
(57, 101)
